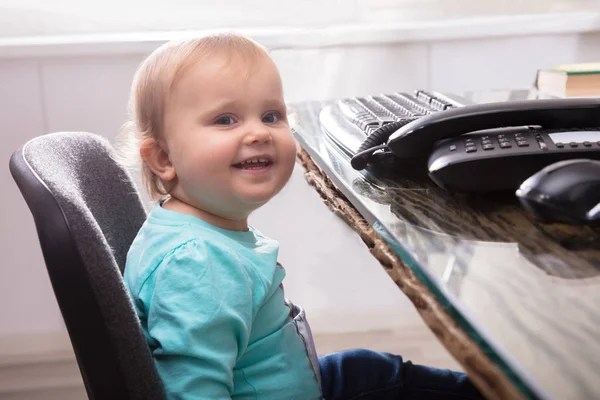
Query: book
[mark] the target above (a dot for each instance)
(570, 80)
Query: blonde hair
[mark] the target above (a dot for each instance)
(153, 83)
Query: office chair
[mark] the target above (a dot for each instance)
(87, 212)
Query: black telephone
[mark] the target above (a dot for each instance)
(475, 147)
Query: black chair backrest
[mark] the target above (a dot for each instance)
(87, 212)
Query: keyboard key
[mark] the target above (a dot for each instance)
(397, 109)
(356, 113)
(435, 101)
(416, 107)
(424, 96)
(376, 109)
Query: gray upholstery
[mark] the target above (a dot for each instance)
(104, 212)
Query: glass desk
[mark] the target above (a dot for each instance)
(516, 301)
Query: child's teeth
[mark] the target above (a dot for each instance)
(255, 160)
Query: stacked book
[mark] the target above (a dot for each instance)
(570, 80)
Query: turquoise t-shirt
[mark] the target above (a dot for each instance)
(212, 308)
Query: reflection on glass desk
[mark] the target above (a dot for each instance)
(528, 292)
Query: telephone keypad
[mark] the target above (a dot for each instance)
(508, 141)
(504, 142)
(486, 143)
(521, 141)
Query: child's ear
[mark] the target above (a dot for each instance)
(157, 159)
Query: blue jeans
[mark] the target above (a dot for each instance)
(369, 375)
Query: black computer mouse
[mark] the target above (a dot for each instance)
(565, 191)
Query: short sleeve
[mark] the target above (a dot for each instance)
(199, 317)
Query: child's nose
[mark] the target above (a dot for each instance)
(257, 133)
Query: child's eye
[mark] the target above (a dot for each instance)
(270, 118)
(225, 120)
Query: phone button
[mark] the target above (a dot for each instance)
(522, 143)
(452, 147)
(505, 145)
(470, 149)
(587, 144)
(488, 146)
(573, 144)
(559, 145)
(543, 145)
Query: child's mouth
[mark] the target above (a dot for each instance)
(254, 164)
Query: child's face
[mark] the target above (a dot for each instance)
(219, 119)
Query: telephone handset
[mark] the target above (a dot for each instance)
(417, 137)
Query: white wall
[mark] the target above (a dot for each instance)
(328, 267)
(25, 18)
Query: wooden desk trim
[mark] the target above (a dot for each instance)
(486, 375)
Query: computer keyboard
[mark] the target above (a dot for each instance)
(349, 121)
(371, 112)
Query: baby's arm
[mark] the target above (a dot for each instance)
(200, 317)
